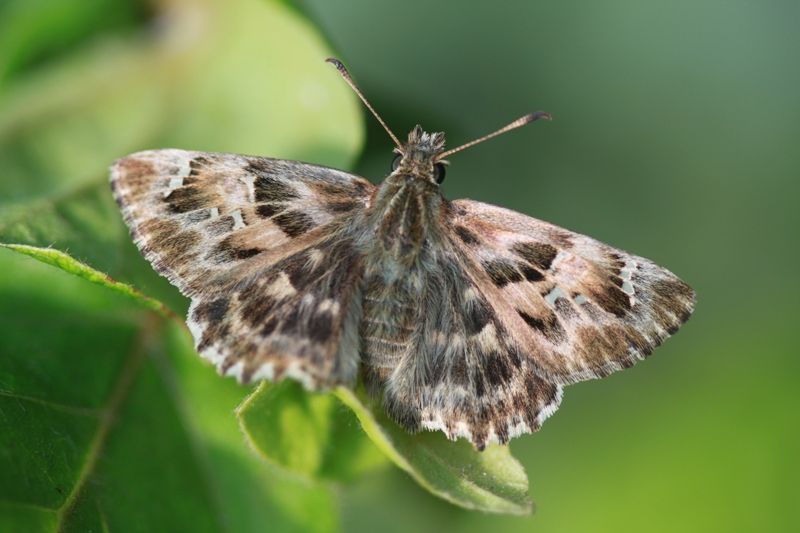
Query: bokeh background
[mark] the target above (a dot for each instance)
(676, 136)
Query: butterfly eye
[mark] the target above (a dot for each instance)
(396, 161)
(439, 172)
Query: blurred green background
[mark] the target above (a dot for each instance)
(676, 136)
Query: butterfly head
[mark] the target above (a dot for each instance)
(419, 157)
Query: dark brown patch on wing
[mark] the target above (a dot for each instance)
(459, 373)
(166, 236)
(565, 309)
(268, 210)
(228, 250)
(271, 189)
(189, 198)
(212, 315)
(549, 326)
(257, 309)
(341, 190)
(672, 302)
(321, 327)
(466, 235)
(612, 299)
(501, 272)
(341, 206)
(197, 164)
(244, 253)
(293, 223)
(537, 254)
(477, 315)
(298, 269)
(530, 273)
(212, 311)
(601, 346)
(498, 369)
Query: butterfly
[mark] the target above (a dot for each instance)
(460, 316)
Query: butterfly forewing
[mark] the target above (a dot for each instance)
(258, 245)
(579, 309)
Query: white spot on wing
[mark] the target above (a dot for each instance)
(249, 182)
(627, 275)
(627, 287)
(281, 287)
(184, 166)
(236, 371)
(264, 372)
(627, 270)
(553, 295)
(238, 221)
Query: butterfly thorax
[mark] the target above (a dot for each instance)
(406, 207)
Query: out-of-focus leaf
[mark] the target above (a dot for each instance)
(208, 75)
(311, 434)
(491, 480)
(43, 30)
(109, 422)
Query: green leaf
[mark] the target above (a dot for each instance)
(491, 480)
(112, 413)
(66, 263)
(311, 434)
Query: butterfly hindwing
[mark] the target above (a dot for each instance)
(291, 318)
(259, 246)
(444, 360)
(580, 309)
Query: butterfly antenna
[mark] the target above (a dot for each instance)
(521, 121)
(347, 78)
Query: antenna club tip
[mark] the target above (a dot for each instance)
(336, 63)
(532, 117)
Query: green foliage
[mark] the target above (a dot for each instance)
(311, 434)
(105, 408)
(66, 263)
(105, 412)
(490, 481)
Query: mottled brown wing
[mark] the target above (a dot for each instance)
(258, 245)
(578, 308)
(444, 360)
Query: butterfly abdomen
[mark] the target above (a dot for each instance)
(387, 325)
